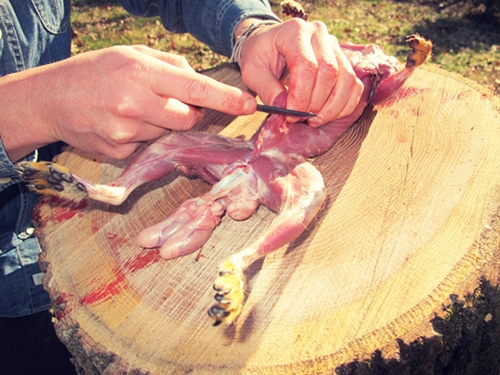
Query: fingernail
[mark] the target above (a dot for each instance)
(315, 122)
(249, 106)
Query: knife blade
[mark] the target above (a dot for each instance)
(282, 111)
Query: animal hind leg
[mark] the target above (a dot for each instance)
(303, 195)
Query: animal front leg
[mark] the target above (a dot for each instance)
(303, 193)
(420, 52)
(190, 226)
(196, 152)
(186, 230)
(52, 179)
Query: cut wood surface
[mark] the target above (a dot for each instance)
(412, 217)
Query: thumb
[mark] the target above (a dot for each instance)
(263, 82)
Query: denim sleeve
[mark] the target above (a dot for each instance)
(8, 174)
(210, 21)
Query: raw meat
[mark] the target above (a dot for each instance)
(269, 169)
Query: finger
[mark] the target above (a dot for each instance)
(353, 101)
(259, 78)
(99, 145)
(345, 95)
(119, 152)
(147, 107)
(199, 90)
(340, 104)
(127, 131)
(328, 68)
(151, 124)
(262, 65)
(170, 113)
(302, 64)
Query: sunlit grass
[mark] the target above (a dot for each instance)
(462, 45)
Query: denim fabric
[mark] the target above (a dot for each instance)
(32, 33)
(37, 32)
(211, 21)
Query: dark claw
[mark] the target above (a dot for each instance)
(66, 177)
(219, 297)
(220, 290)
(57, 186)
(81, 187)
(26, 173)
(216, 312)
(54, 178)
(59, 176)
(224, 273)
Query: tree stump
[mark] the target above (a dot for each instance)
(398, 273)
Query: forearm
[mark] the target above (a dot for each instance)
(21, 127)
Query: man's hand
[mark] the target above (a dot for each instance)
(109, 101)
(321, 79)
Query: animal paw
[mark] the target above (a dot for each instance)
(230, 288)
(50, 178)
(421, 50)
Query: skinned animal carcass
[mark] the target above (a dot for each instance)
(268, 169)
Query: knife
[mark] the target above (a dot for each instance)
(282, 111)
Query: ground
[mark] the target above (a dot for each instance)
(465, 33)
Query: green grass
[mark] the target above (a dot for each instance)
(464, 42)
(98, 25)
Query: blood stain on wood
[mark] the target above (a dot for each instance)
(142, 260)
(105, 292)
(66, 210)
(404, 93)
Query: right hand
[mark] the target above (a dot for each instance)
(109, 101)
(321, 78)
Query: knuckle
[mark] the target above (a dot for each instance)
(197, 91)
(122, 136)
(328, 68)
(181, 60)
(139, 47)
(307, 68)
(121, 152)
(127, 107)
(355, 82)
(296, 22)
(320, 26)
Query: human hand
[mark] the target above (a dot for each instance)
(321, 79)
(111, 100)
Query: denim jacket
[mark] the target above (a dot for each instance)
(37, 32)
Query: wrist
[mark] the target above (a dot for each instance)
(244, 30)
(245, 24)
(20, 130)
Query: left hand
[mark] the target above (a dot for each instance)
(321, 78)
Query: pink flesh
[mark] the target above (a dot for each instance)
(269, 169)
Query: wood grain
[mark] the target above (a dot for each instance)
(412, 217)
